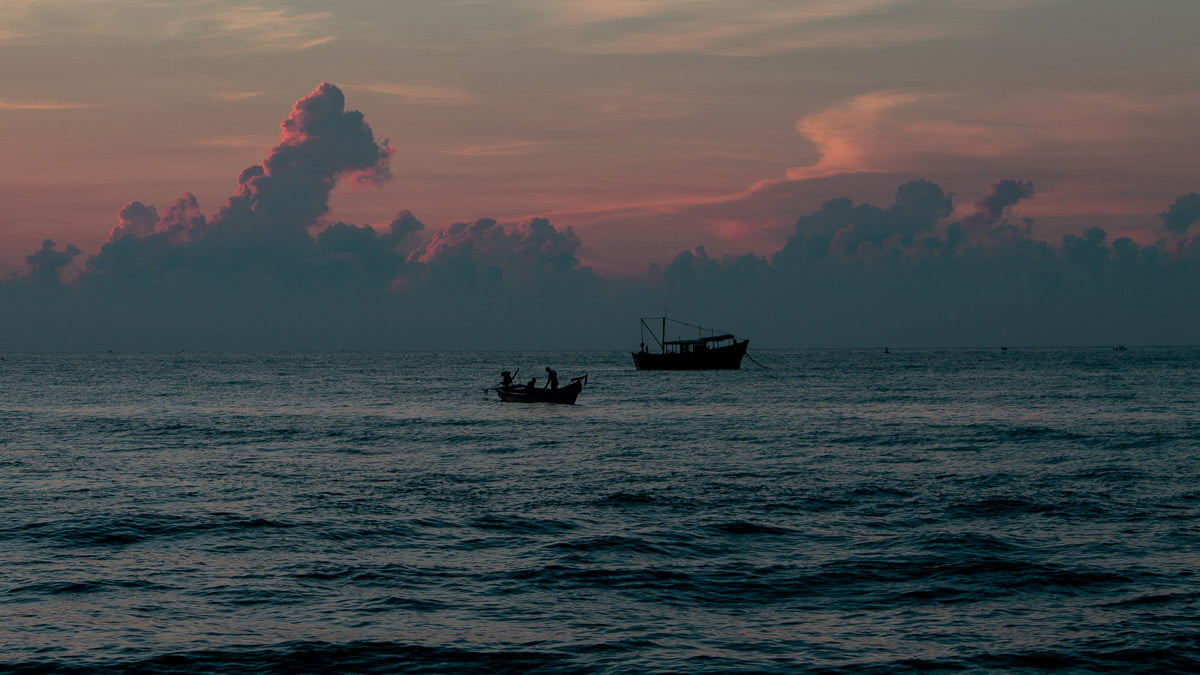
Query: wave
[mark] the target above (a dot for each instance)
(750, 528)
(1183, 597)
(1082, 658)
(977, 514)
(50, 588)
(1148, 655)
(1076, 506)
(129, 529)
(613, 543)
(521, 524)
(315, 657)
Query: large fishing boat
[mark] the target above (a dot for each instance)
(715, 351)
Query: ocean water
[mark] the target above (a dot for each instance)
(840, 511)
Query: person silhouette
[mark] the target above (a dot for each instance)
(551, 378)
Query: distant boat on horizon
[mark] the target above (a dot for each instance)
(717, 351)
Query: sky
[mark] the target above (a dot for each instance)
(384, 173)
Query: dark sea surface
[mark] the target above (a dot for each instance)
(840, 512)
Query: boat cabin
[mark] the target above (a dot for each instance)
(698, 345)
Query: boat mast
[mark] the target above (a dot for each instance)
(647, 329)
(663, 343)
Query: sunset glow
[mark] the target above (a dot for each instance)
(644, 129)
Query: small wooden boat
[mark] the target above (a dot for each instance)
(708, 352)
(519, 393)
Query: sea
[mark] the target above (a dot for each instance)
(818, 511)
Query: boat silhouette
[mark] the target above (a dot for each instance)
(519, 393)
(717, 351)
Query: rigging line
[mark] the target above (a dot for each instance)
(682, 323)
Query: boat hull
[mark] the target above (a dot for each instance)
(718, 358)
(519, 394)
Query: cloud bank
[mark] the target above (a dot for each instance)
(272, 270)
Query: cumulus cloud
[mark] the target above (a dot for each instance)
(267, 221)
(1004, 194)
(365, 258)
(271, 264)
(47, 263)
(841, 228)
(874, 141)
(272, 268)
(135, 220)
(934, 282)
(517, 252)
(267, 226)
(1087, 136)
(1182, 213)
(182, 220)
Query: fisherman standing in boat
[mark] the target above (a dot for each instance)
(506, 378)
(551, 378)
